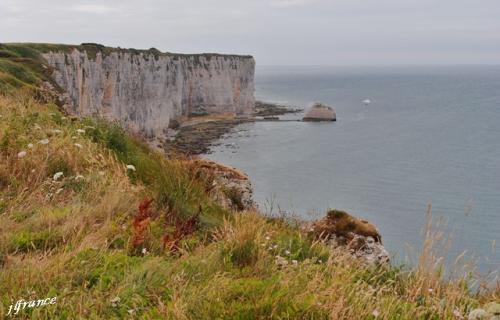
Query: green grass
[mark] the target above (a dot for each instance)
(21, 67)
(72, 238)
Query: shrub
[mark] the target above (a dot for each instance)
(56, 164)
(244, 253)
(26, 241)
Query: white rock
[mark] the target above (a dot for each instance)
(320, 112)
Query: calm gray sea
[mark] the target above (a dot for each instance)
(430, 135)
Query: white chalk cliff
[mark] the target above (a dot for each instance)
(145, 91)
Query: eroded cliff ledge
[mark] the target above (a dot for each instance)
(145, 90)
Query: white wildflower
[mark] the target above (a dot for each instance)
(63, 118)
(280, 261)
(131, 311)
(44, 141)
(115, 301)
(144, 251)
(478, 314)
(78, 145)
(431, 290)
(22, 154)
(30, 145)
(375, 313)
(57, 175)
(275, 246)
(268, 238)
(130, 167)
(59, 190)
(287, 252)
(56, 131)
(78, 177)
(457, 314)
(80, 130)
(295, 262)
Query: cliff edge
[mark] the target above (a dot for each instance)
(146, 89)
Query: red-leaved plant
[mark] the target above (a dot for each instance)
(141, 223)
(182, 228)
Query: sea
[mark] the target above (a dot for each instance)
(430, 138)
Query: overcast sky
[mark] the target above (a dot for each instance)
(276, 32)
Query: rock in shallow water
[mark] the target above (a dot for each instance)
(320, 112)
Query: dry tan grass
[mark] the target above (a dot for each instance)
(73, 244)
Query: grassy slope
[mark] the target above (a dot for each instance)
(74, 238)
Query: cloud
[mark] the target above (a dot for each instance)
(291, 3)
(93, 8)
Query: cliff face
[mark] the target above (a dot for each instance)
(145, 91)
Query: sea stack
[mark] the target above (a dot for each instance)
(320, 112)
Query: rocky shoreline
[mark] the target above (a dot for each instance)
(196, 135)
(267, 109)
(195, 139)
(233, 190)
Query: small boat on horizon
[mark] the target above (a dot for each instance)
(366, 102)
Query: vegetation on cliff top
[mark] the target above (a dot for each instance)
(33, 50)
(92, 215)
